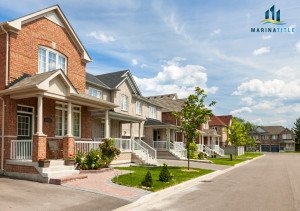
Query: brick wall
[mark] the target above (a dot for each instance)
(2, 60)
(167, 117)
(43, 32)
(21, 169)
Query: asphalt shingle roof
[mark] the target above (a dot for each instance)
(94, 80)
(112, 79)
(220, 120)
(274, 130)
(168, 102)
(150, 121)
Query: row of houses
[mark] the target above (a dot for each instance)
(51, 108)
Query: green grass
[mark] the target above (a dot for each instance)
(226, 160)
(134, 179)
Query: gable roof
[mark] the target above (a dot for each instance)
(220, 120)
(55, 14)
(169, 102)
(273, 130)
(114, 79)
(95, 81)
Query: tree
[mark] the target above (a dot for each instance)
(296, 129)
(238, 134)
(193, 114)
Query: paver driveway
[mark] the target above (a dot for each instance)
(269, 183)
(26, 195)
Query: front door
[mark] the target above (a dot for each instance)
(24, 126)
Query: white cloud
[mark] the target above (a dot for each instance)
(270, 88)
(176, 78)
(278, 122)
(248, 101)
(266, 37)
(298, 46)
(134, 62)
(241, 111)
(261, 51)
(102, 37)
(143, 65)
(263, 105)
(215, 32)
(258, 121)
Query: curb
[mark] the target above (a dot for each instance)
(180, 187)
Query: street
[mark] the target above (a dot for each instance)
(269, 183)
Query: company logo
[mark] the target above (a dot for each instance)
(270, 17)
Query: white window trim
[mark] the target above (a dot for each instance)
(152, 110)
(138, 111)
(64, 108)
(32, 114)
(47, 58)
(126, 102)
(97, 90)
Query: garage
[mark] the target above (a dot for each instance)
(268, 148)
(265, 148)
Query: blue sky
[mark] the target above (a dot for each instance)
(172, 46)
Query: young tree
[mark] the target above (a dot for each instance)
(296, 129)
(237, 134)
(193, 114)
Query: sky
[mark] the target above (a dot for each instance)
(173, 46)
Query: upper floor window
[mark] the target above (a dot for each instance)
(51, 60)
(95, 92)
(274, 137)
(152, 112)
(124, 103)
(286, 136)
(138, 107)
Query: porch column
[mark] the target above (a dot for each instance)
(68, 140)
(69, 120)
(139, 131)
(106, 128)
(168, 137)
(131, 131)
(39, 128)
(39, 140)
(202, 139)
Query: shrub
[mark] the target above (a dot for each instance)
(90, 161)
(147, 182)
(193, 150)
(164, 175)
(202, 155)
(108, 151)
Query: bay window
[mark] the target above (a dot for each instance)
(50, 59)
(61, 122)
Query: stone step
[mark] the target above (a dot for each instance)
(57, 163)
(57, 168)
(59, 174)
(59, 181)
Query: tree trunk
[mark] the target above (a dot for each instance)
(188, 154)
(234, 152)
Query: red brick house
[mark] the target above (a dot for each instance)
(44, 105)
(221, 124)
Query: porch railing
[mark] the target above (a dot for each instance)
(178, 149)
(207, 150)
(162, 145)
(140, 150)
(200, 147)
(123, 144)
(86, 146)
(152, 152)
(218, 149)
(21, 149)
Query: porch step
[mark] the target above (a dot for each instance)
(166, 155)
(59, 181)
(57, 163)
(59, 174)
(57, 168)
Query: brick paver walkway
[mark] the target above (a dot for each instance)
(101, 183)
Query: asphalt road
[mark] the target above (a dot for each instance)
(269, 183)
(26, 195)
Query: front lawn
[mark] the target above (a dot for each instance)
(134, 179)
(226, 160)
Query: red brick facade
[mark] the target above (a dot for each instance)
(23, 58)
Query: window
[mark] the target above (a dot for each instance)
(61, 120)
(23, 125)
(152, 112)
(274, 137)
(50, 60)
(286, 136)
(95, 92)
(124, 103)
(138, 108)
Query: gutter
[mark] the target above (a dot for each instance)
(6, 60)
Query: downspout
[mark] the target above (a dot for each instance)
(2, 135)
(6, 59)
